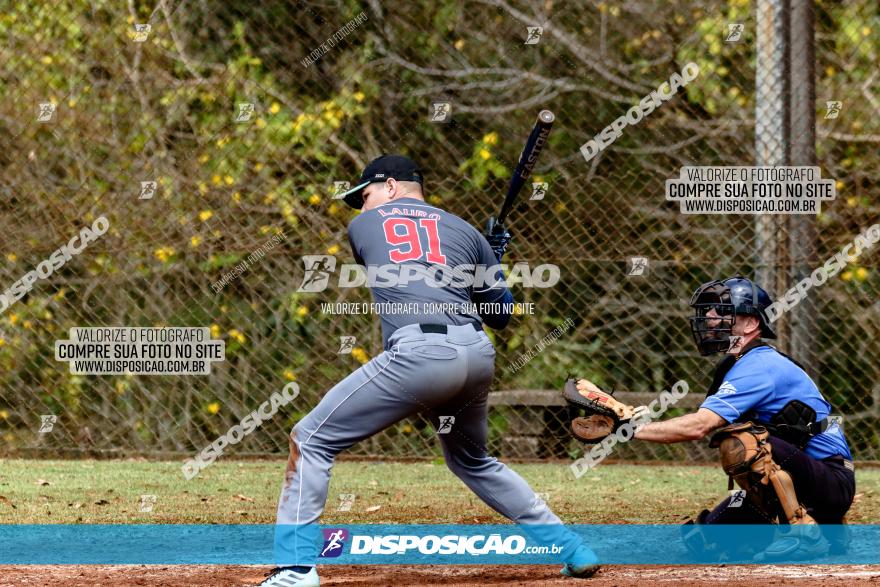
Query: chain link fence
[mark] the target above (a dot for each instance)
(206, 132)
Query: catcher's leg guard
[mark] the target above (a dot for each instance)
(746, 457)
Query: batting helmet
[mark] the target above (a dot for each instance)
(731, 297)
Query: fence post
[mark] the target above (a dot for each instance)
(771, 132)
(803, 236)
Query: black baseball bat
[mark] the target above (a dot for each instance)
(527, 159)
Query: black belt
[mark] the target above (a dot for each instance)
(444, 328)
(840, 460)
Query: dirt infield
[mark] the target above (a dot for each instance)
(458, 576)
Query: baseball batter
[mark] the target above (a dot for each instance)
(436, 361)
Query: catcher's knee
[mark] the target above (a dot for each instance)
(743, 449)
(746, 457)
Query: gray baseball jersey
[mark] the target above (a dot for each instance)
(444, 374)
(424, 265)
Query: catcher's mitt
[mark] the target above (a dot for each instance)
(593, 413)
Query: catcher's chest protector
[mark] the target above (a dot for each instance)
(746, 457)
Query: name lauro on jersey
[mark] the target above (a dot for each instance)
(408, 212)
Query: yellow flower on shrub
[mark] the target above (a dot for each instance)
(213, 408)
(861, 274)
(360, 354)
(164, 253)
(314, 199)
(302, 311)
(332, 250)
(204, 215)
(228, 180)
(2, 341)
(846, 275)
(485, 154)
(216, 179)
(195, 241)
(237, 335)
(359, 96)
(11, 257)
(289, 375)
(13, 318)
(491, 138)
(215, 331)
(275, 108)
(4, 414)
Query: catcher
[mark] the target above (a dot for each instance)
(769, 421)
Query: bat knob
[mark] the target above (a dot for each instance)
(546, 116)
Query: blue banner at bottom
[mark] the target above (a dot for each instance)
(409, 544)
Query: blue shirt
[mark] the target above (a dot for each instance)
(762, 382)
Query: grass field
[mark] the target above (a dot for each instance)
(39, 492)
(36, 491)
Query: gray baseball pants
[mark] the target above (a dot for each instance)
(438, 375)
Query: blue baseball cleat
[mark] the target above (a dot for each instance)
(800, 542)
(582, 565)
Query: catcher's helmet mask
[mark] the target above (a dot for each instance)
(731, 297)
